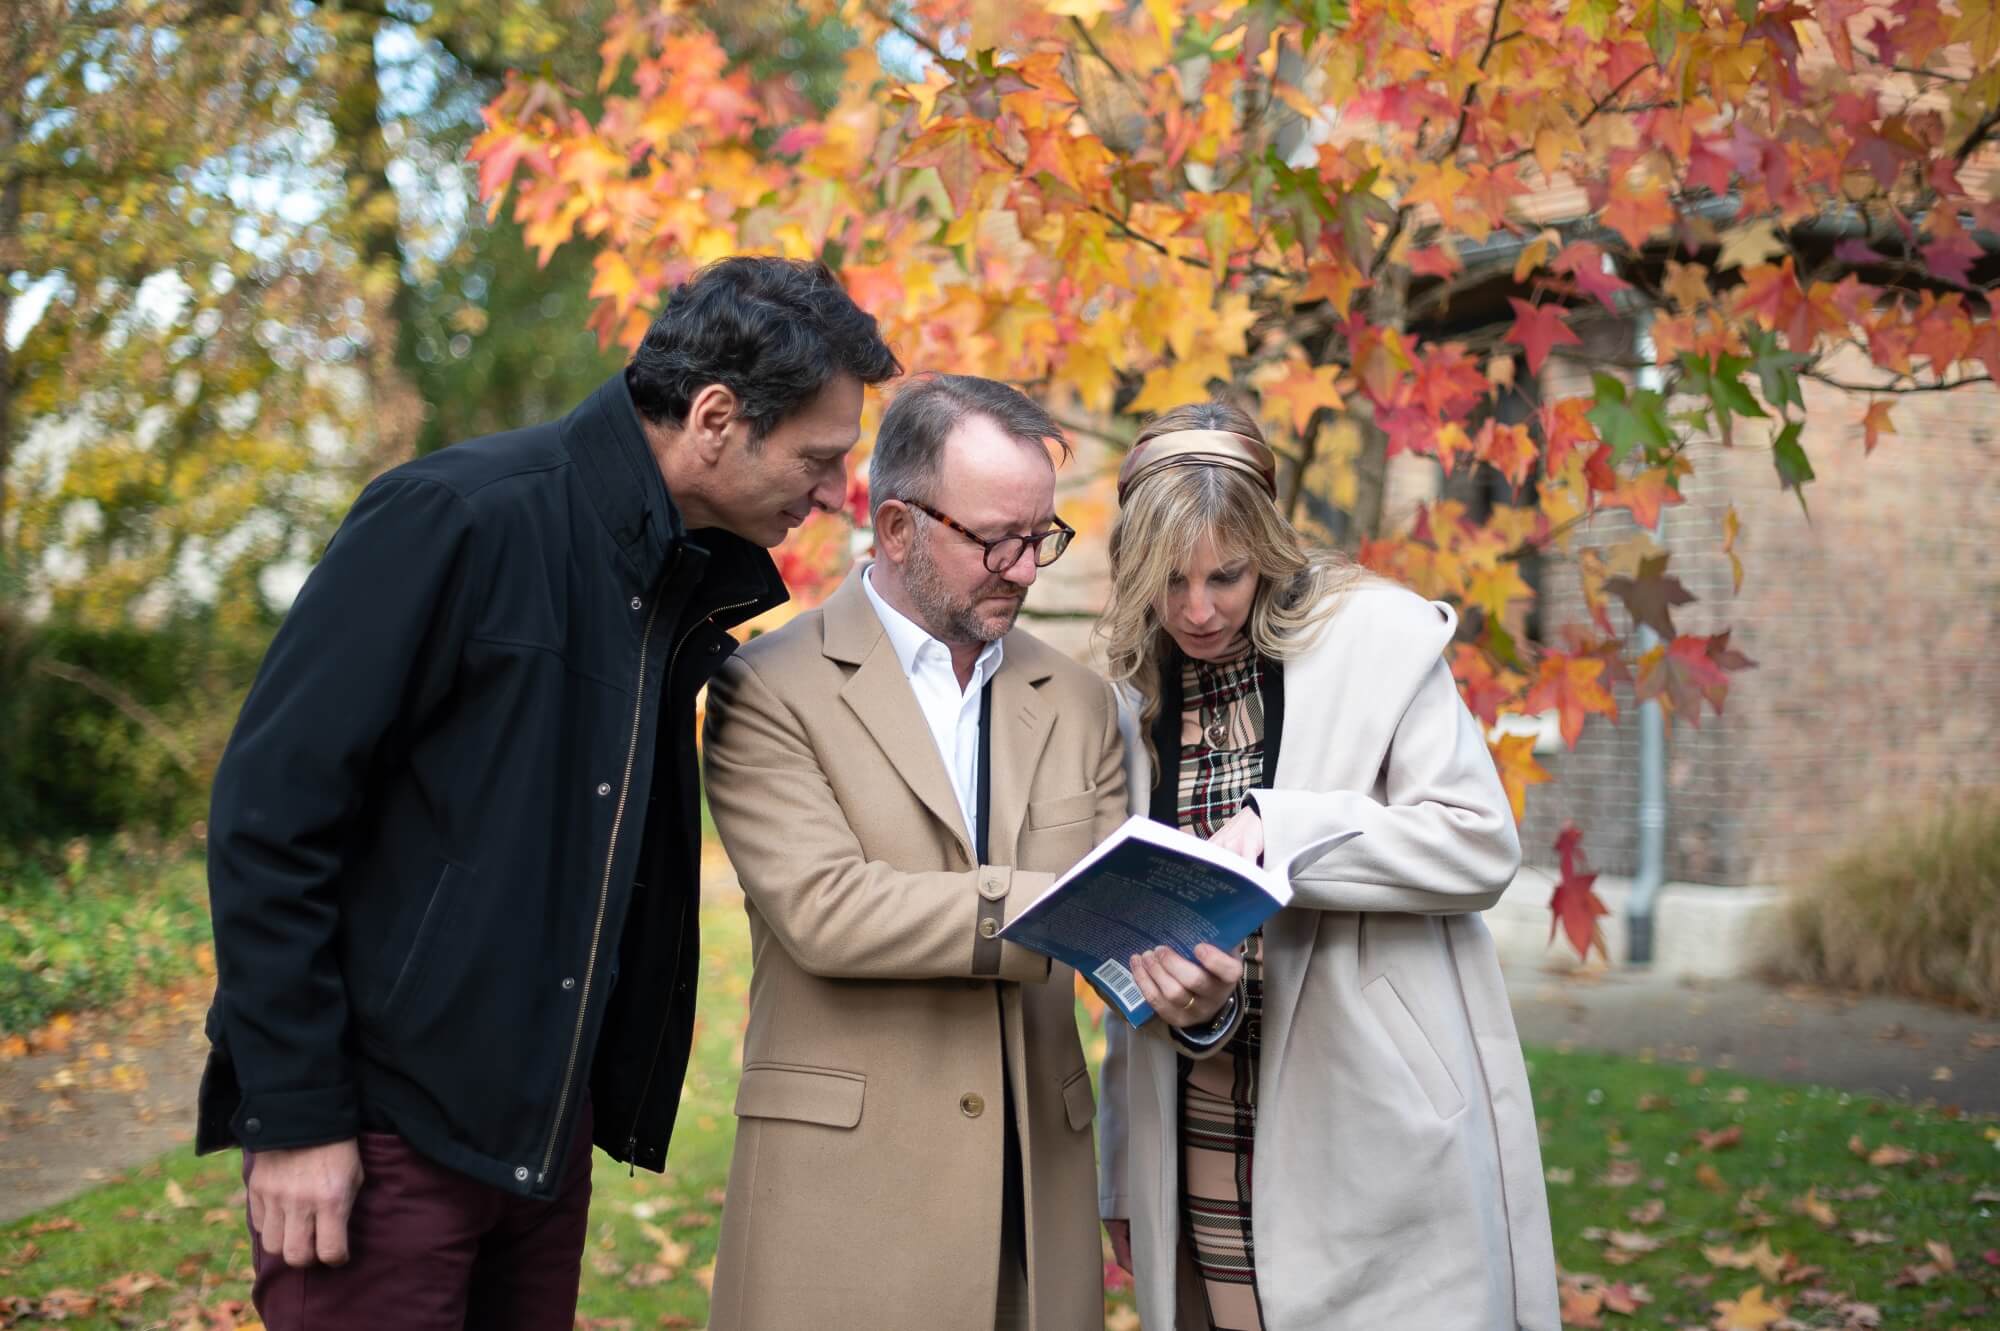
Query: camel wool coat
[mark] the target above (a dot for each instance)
(865, 1192)
(1396, 1178)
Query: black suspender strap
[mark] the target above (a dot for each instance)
(986, 942)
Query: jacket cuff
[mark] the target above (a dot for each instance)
(289, 1120)
(1211, 1038)
(994, 958)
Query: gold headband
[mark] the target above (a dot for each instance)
(1200, 448)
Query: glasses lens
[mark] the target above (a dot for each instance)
(1052, 546)
(1003, 554)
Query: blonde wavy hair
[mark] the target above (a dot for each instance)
(1166, 515)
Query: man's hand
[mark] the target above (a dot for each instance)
(1120, 1234)
(1243, 834)
(300, 1201)
(1182, 993)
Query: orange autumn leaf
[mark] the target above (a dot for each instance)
(1514, 757)
(1749, 1311)
(1573, 688)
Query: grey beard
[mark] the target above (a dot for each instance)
(949, 619)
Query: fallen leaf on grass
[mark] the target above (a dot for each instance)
(177, 1196)
(1921, 1274)
(1940, 1252)
(1650, 1103)
(1560, 1177)
(1709, 1177)
(63, 1223)
(1769, 1264)
(676, 1322)
(1748, 1312)
(1882, 1156)
(1620, 1174)
(1650, 1213)
(1862, 1192)
(705, 1277)
(1863, 1238)
(1812, 1208)
(1980, 1195)
(1582, 1307)
(1624, 1298)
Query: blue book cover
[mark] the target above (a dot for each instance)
(1147, 885)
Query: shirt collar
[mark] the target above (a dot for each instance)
(911, 642)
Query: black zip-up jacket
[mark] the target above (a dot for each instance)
(455, 839)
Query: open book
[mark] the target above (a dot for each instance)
(1147, 885)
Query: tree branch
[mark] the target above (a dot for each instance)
(1978, 135)
(124, 702)
(1942, 386)
(1472, 91)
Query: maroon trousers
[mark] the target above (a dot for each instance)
(432, 1250)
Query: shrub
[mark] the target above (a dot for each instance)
(1914, 910)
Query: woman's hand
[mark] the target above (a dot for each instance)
(1243, 833)
(1182, 993)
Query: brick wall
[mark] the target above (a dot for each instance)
(1874, 626)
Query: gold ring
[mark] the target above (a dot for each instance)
(1189, 1005)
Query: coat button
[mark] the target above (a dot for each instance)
(520, 1173)
(971, 1104)
(603, 788)
(637, 603)
(253, 1125)
(569, 982)
(988, 927)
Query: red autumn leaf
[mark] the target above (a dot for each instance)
(1575, 908)
(1539, 328)
(1586, 265)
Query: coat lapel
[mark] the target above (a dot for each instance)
(880, 696)
(1022, 720)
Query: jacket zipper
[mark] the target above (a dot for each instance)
(603, 894)
(646, 1086)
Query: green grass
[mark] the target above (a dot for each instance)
(1619, 1135)
(105, 924)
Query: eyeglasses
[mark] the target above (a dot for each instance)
(1004, 553)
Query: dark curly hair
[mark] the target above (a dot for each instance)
(772, 331)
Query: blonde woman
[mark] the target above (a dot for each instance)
(1334, 1132)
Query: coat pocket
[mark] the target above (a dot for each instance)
(437, 913)
(1419, 1054)
(1062, 810)
(802, 1095)
(1078, 1101)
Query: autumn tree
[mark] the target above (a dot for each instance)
(1550, 246)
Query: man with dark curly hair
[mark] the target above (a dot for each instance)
(455, 838)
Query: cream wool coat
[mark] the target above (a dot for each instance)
(865, 1190)
(1397, 1178)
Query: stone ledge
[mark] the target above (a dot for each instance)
(1700, 930)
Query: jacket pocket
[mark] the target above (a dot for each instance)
(1063, 809)
(803, 1095)
(437, 911)
(1078, 1100)
(1419, 1054)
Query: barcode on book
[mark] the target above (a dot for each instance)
(1120, 982)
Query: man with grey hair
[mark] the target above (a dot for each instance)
(894, 775)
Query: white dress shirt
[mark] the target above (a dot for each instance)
(952, 712)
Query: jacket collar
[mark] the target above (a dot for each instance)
(880, 695)
(623, 483)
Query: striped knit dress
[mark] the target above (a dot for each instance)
(1222, 758)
